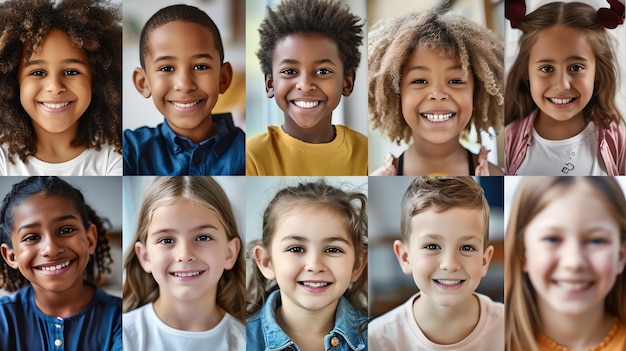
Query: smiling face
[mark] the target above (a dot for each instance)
(312, 258)
(436, 97)
(51, 246)
(187, 251)
(573, 252)
(445, 254)
(561, 71)
(307, 81)
(184, 76)
(55, 84)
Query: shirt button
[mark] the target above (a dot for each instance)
(58, 342)
(58, 326)
(334, 341)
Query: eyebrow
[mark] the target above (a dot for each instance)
(66, 61)
(38, 224)
(571, 58)
(463, 238)
(318, 62)
(303, 239)
(198, 56)
(173, 230)
(426, 68)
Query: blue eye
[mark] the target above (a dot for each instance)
(204, 238)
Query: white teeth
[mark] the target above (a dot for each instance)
(573, 286)
(437, 117)
(448, 282)
(191, 104)
(315, 285)
(306, 104)
(55, 106)
(55, 268)
(190, 274)
(561, 101)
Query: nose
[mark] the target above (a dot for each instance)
(184, 81)
(314, 263)
(54, 83)
(305, 83)
(437, 93)
(184, 252)
(450, 262)
(51, 246)
(573, 256)
(562, 81)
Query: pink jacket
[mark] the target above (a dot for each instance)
(611, 143)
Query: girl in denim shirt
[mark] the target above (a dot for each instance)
(308, 285)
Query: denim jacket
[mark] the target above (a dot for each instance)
(264, 334)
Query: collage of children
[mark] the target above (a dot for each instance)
(436, 175)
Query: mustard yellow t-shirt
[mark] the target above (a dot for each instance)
(614, 341)
(275, 153)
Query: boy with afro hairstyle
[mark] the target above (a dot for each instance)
(60, 69)
(183, 70)
(309, 54)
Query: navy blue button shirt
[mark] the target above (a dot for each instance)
(24, 327)
(160, 151)
(263, 333)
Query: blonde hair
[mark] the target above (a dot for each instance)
(351, 204)
(140, 287)
(533, 194)
(440, 194)
(391, 43)
(601, 108)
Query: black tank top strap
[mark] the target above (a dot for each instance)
(400, 164)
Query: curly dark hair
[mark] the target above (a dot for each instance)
(184, 13)
(99, 265)
(94, 27)
(325, 17)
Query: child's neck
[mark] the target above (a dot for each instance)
(319, 134)
(203, 131)
(551, 129)
(197, 315)
(306, 328)
(57, 147)
(423, 158)
(446, 325)
(577, 332)
(64, 304)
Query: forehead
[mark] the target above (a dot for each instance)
(179, 37)
(561, 43)
(453, 223)
(314, 221)
(56, 42)
(40, 205)
(306, 47)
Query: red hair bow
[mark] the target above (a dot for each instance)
(613, 17)
(515, 11)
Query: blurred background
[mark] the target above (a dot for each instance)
(352, 110)
(489, 13)
(229, 16)
(388, 285)
(104, 195)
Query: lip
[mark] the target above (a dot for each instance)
(187, 275)
(573, 286)
(315, 286)
(561, 102)
(186, 106)
(449, 284)
(306, 104)
(55, 106)
(55, 268)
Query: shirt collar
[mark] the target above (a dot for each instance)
(221, 139)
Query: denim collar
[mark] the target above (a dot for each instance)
(348, 321)
(221, 139)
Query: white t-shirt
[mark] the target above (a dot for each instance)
(143, 330)
(575, 156)
(89, 163)
(398, 330)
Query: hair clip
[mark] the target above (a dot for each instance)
(515, 11)
(613, 17)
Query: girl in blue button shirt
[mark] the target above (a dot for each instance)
(308, 285)
(55, 251)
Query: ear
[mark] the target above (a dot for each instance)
(92, 238)
(9, 256)
(348, 83)
(233, 253)
(402, 254)
(226, 77)
(263, 261)
(269, 86)
(142, 256)
(140, 79)
(358, 269)
(487, 259)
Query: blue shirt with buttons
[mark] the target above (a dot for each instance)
(263, 333)
(160, 151)
(24, 327)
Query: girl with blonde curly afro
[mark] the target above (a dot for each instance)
(60, 88)
(431, 78)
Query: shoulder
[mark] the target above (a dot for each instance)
(391, 319)
(135, 319)
(108, 305)
(235, 327)
(352, 134)
(142, 133)
(263, 140)
(493, 309)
